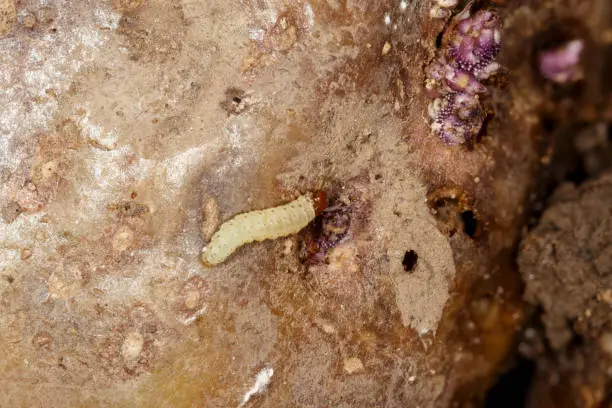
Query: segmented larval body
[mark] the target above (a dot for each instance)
(259, 225)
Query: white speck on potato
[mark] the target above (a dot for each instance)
(261, 383)
(132, 346)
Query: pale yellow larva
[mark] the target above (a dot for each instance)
(260, 225)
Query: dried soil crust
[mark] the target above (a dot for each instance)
(566, 262)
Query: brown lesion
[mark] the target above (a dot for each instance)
(332, 224)
(47, 174)
(290, 27)
(454, 212)
(10, 212)
(236, 101)
(152, 34)
(130, 347)
(128, 208)
(192, 298)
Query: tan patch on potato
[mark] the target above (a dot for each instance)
(353, 365)
(132, 346)
(210, 210)
(127, 5)
(8, 16)
(123, 239)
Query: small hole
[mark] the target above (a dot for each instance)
(378, 177)
(61, 364)
(232, 103)
(483, 129)
(513, 386)
(578, 175)
(439, 39)
(9, 279)
(548, 124)
(410, 260)
(470, 223)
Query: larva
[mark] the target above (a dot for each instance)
(261, 225)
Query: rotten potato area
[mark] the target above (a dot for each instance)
(326, 232)
(342, 210)
(129, 208)
(454, 213)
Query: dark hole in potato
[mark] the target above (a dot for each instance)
(470, 223)
(439, 39)
(410, 260)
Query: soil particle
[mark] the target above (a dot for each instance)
(594, 145)
(566, 261)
